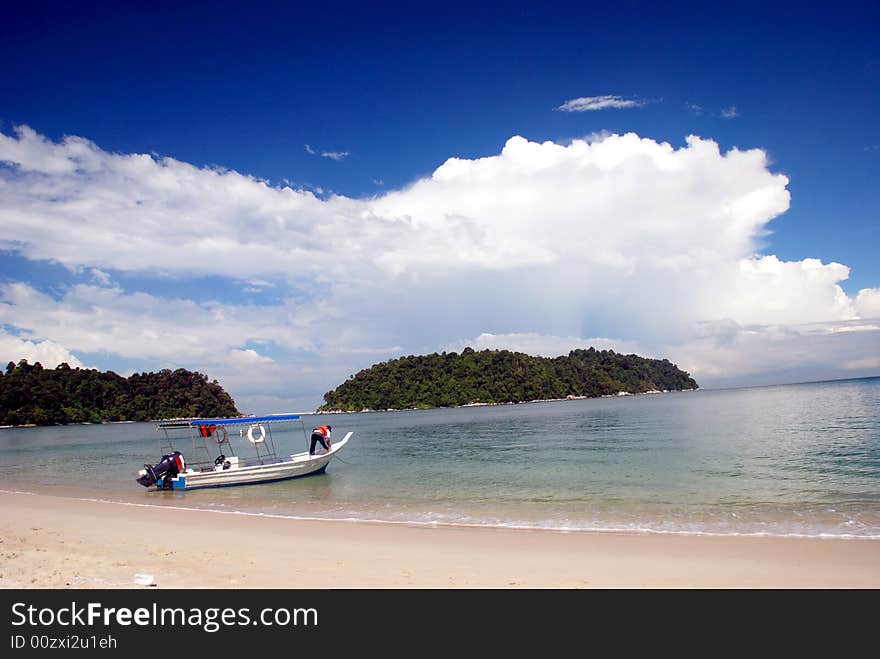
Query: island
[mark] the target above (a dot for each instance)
(33, 395)
(450, 379)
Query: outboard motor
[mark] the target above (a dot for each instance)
(170, 465)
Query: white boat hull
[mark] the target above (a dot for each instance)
(294, 466)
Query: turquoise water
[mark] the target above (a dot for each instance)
(784, 460)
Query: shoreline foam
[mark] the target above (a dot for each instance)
(642, 528)
(58, 542)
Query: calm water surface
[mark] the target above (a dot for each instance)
(784, 460)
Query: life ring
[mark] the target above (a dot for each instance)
(221, 436)
(259, 439)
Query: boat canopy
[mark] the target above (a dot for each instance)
(237, 421)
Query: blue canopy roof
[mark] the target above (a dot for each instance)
(238, 421)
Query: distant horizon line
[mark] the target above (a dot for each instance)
(785, 384)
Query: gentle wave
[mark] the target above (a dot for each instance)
(635, 529)
(785, 461)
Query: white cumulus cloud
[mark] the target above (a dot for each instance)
(48, 353)
(658, 248)
(867, 303)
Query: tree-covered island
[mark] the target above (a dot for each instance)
(31, 394)
(501, 376)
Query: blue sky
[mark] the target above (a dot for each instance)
(365, 102)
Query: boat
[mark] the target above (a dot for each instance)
(210, 459)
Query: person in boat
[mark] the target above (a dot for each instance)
(320, 434)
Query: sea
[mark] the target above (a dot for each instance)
(790, 460)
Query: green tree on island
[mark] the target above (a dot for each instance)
(31, 394)
(501, 376)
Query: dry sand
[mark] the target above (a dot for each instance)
(57, 542)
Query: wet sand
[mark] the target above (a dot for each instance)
(58, 542)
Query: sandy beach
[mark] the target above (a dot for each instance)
(57, 542)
